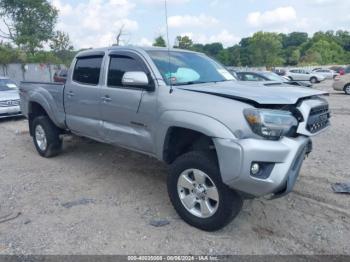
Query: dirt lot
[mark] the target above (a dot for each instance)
(96, 199)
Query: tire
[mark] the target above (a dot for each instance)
(347, 89)
(313, 80)
(229, 202)
(46, 137)
(291, 78)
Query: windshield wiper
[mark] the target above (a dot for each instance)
(189, 83)
(197, 82)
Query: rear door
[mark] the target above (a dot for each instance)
(295, 74)
(123, 121)
(82, 97)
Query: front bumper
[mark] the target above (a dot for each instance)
(10, 111)
(286, 156)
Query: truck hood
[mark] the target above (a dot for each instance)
(274, 94)
(9, 95)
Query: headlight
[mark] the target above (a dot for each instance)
(271, 124)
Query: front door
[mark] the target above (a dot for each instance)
(82, 97)
(123, 122)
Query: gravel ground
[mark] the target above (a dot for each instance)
(97, 199)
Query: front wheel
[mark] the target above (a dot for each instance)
(347, 89)
(198, 194)
(46, 137)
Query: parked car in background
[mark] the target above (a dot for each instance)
(9, 98)
(269, 76)
(233, 72)
(304, 75)
(327, 73)
(347, 70)
(342, 83)
(341, 70)
(338, 69)
(279, 71)
(60, 76)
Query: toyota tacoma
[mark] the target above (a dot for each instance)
(223, 141)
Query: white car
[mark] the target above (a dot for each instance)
(327, 73)
(304, 75)
(9, 98)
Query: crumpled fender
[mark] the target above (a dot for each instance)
(194, 121)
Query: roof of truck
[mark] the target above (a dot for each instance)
(96, 51)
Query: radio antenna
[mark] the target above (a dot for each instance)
(168, 44)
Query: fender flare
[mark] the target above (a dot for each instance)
(40, 99)
(204, 124)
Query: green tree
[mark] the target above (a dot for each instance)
(235, 55)
(198, 48)
(245, 57)
(213, 49)
(295, 57)
(343, 39)
(311, 57)
(183, 42)
(8, 55)
(294, 39)
(43, 57)
(159, 41)
(60, 42)
(224, 57)
(62, 47)
(329, 51)
(266, 49)
(29, 23)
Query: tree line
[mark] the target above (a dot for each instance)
(273, 49)
(29, 36)
(29, 27)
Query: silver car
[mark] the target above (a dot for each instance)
(327, 73)
(9, 98)
(304, 75)
(342, 83)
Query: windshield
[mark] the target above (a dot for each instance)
(7, 84)
(185, 68)
(273, 77)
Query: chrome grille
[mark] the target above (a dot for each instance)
(318, 118)
(9, 103)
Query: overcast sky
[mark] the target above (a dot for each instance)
(94, 23)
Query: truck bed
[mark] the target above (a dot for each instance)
(49, 95)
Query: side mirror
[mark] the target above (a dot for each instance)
(137, 79)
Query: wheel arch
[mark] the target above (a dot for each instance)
(38, 107)
(181, 131)
(345, 87)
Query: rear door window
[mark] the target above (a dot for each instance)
(87, 70)
(253, 77)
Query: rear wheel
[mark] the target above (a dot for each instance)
(46, 137)
(198, 194)
(347, 89)
(313, 80)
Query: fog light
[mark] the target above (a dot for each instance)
(255, 169)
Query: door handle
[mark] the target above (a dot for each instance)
(106, 99)
(70, 94)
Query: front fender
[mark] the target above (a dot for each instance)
(194, 121)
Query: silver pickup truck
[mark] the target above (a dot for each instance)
(223, 141)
